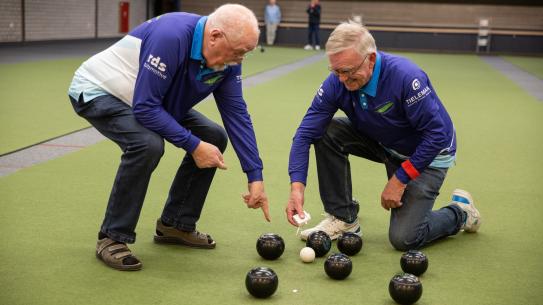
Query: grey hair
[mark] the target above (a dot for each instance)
(350, 34)
(232, 18)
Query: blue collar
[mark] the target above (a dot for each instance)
(371, 87)
(196, 51)
(197, 40)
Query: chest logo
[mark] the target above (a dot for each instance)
(213, 80)
(384, 108)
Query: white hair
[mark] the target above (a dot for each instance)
(350, 34)
(235, 20)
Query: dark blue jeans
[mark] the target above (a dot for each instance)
(313, 34)
(141, 152)
(414, 224)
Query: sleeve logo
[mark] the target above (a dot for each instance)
(155, 61)
(415, 84)
(320, 92)
(154, 65)
(418, 97)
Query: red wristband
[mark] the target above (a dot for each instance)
(411, 171)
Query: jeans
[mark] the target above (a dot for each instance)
(313, 32)
(141, 152)
(414, 224)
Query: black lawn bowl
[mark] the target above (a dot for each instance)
(270, 246)
(349, 243)
(320, 242)
(261, 282)
(414, 262)
(338, 266)
(405, 288)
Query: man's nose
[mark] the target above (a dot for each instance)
(342, 78)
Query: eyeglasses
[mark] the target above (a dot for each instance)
(347, 72)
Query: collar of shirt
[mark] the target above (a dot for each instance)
(196, 50)
(371, 87)
(197, 40)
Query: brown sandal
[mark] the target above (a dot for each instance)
(171, 235)
(116, 255)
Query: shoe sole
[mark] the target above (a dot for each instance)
(357, 232)
(178, 241)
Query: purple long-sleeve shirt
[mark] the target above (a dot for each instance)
(159, 69)
(398, 108)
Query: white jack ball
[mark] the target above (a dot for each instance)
(307, 255)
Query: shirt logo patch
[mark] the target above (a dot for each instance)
(154, 65)
(320, 92)
(418, 97)
(384, 108)
(415, 84)
(213, 79)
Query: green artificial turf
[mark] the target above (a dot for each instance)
(35, 106)
(257, 61)
(533, 65)
(51, 212)
(34, 102)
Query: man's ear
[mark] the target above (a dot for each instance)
(373, 59)
(215, 34)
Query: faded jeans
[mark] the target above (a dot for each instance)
(414, 224)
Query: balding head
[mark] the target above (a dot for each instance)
(236, 21)
(230, 32)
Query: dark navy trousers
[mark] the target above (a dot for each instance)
(141, 151)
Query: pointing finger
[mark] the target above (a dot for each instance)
(266, 210)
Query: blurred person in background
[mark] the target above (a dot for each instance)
(314, 21)
(272, 18)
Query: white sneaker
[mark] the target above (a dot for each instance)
(463, 200)
(308, 47)
(333, 227)
(317, 47)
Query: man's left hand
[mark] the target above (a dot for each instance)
(392, 194)
(256, 198)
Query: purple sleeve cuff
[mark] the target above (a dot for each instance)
(191, 144)
(402, 175)
(298, 177)
(255, 175)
